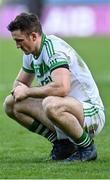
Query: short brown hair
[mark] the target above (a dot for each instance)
(26, 23)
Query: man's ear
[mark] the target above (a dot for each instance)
(34, 36)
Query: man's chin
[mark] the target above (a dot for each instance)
(27, 53)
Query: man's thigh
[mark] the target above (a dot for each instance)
(30, 105)
(33, 107)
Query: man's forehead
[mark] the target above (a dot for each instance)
(18, 34)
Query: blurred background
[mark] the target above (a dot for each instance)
(85, 25)
(61, 17)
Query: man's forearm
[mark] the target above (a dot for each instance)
(47, 90)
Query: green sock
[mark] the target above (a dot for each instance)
(38, 128)
(84, 140)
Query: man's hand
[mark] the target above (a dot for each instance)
(20, 92)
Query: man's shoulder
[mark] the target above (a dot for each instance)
(53, 37)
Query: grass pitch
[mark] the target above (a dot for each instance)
(24, 155)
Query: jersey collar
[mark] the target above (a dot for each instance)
(41, 45)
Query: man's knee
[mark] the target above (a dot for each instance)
(51, 106)
(8, 105)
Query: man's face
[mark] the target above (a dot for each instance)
(26, 43)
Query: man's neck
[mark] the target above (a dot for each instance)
(37, 46)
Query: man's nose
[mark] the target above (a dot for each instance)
(18, 45)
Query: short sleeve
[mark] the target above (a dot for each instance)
(28, 64)
(58, 60)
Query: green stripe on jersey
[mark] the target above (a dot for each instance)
(48, 52)
(49, 47)
(90, 111)
(28, 70)
(57, 64)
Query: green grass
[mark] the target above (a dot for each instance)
(23, 154)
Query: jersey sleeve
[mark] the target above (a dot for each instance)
(28, 64)
(56, 53)
(58, 60)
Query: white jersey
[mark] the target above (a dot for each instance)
(55, 53)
